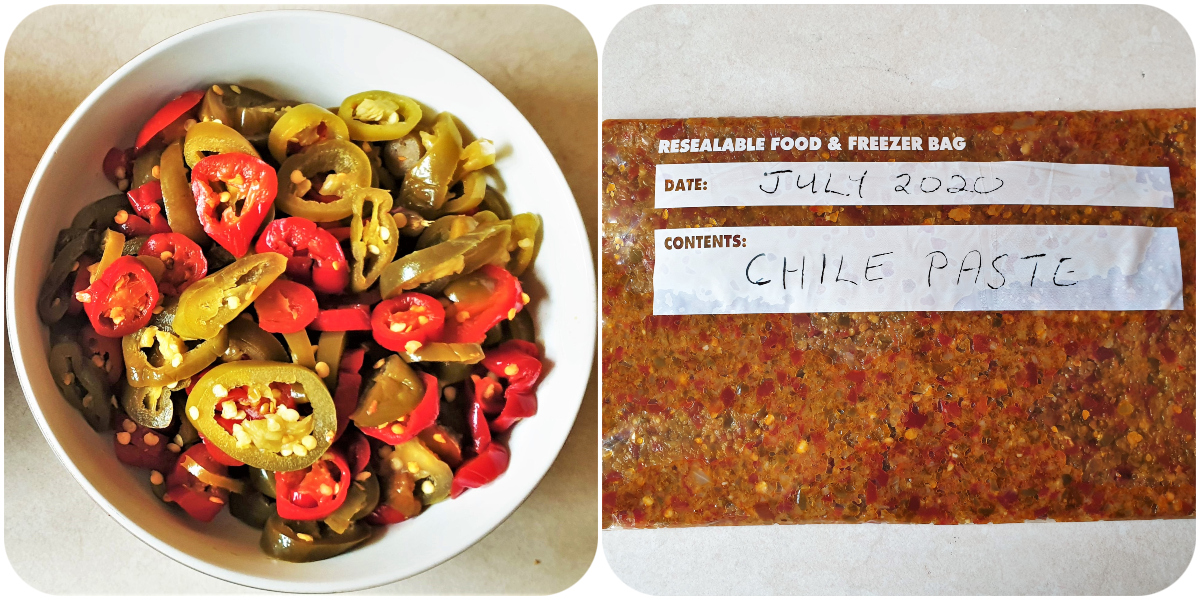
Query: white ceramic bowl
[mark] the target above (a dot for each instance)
(316, 57)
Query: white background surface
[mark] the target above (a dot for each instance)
(674, 62)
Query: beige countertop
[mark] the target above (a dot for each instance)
(541, 58)
(712, 61)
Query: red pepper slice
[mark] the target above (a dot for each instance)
(132, 445)
(352, 361)
(108, 349)
(83, 278)
(488, 393)
(470, 322)
(358, 451)
(231, 214)
(134, 226)
(345, 398)
(199, 499)
(182, 257)
(313, 253)
(145, 198)
(286, 307)
(219, 454)
(385, 515)
(313, 493)
(407, 427)
(517, 361)
(480, 433)
(445, 444)
(118, 164)
(180, 106)
(346, 318)
(409, 317)
(120, 301)
(481, 470)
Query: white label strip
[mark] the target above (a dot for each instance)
(909, 183)
(749, 270)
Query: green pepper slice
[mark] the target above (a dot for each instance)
(301, 125)
(148, 406)
(474, 186)
(82, 384)
(330, 347)
(425, 185)
(360, 501)
(301, 349)
(251, 508)
(178, 201)
(100, 214)
(520, 327)
(378, 116)
(55, 295)
(262, 443)
(428, 466)
(282, 539)
(263, 481)
(170, 360)
(207, 305)
(486, 245)
(247, 341)
(525, 241)
(442, 352)
(211, 137)
(143, 167)
(494, 202)
(445, 229)
(451, 373)
(393, 391)
(374, 239)
(346, 160)
(248, 111)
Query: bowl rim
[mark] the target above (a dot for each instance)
(193, 562)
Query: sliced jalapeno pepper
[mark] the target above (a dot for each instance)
(251, 508)
(453, 257)
(57, 290)
(82, 383)
(150, 407)
(423, 464)
(393, 391)
(350, 166)
(301, 349)
(377, 116)
(279, 439)
(525, 241)
(247, 341)
(442, 352)
(175, 362)
(282, 539)
(211, 137)
(425, 185)
(330, 347)
(143, 168)
(474, 187)
(248, 111)
(302, 126)
(374, 237)
(207, 305)
(178, 201)
(446, 228)
(363, 498)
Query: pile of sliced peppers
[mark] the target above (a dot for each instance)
(313, 316)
